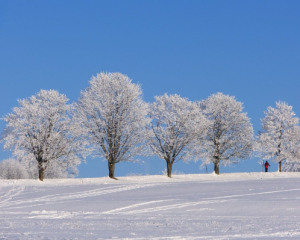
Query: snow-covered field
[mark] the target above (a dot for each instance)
(205, 206)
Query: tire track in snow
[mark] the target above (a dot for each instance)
(183, 205)
(253, 194)
(11, 194)
(82, 194)
(285, 234)
(171, 207)
(134, 205)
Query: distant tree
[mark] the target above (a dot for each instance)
(176, 122)
(229, 138)
(279, 138)
(12, 169)
(40, 128)
(112, 116)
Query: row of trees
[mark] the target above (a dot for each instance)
(110, 120)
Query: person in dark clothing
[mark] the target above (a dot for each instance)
(267, 166)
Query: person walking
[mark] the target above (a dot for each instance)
(267, 166)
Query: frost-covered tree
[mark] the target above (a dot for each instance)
(280, 135)
(176, 122)
(112, 116)
(291, 167)
(40, 128)
(229, 138)
(12, 169)
(55, 169)
(28, 169)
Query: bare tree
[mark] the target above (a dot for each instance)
(41, 128)
(176, 122)
(112, 116)
(230, 134)
(279, 139)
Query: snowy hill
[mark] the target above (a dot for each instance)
(204, 206)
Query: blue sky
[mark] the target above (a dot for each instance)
(249, 49)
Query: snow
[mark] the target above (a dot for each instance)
(203, 206)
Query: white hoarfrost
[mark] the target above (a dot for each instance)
(27, 168)
(113, 118)
(176, 122)
(279, 139)
(40, 129)
(55, 169)
(12, 169)
(229, 138)
(291, 166)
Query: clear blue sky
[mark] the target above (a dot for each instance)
(249, 49)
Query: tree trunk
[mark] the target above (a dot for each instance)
(217, 156)
(111, 169)
(41, 174)
(279, 166)
(41, 167)
(216, 167)
(169, 169)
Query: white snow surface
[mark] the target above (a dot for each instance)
(203, 206)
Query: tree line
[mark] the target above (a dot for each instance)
(49, 137)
